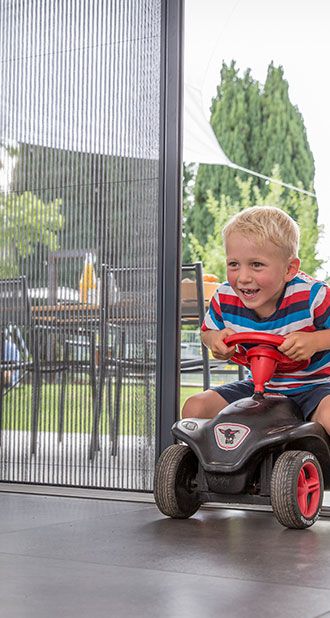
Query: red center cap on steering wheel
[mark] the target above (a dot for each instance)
(263, 359)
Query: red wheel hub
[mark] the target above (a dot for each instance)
(263, 359)
(308, 489)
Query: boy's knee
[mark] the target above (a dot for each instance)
(193, 408)
(204, 405)
(322, 418)
(322, 413)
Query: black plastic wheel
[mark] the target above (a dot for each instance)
(175, 487)
(297, 489)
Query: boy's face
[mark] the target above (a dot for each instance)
(258, 274)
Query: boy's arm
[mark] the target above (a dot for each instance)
(301, 346)
(213, 330)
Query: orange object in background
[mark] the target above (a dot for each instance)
(209, 277)
(189, 289)
(210, 284)
(88, 282)
(210, 287)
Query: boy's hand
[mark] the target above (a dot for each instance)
(299, 346)
(213, 339)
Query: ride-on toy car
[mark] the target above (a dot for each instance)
(256, 451)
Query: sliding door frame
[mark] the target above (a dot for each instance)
(170, 228)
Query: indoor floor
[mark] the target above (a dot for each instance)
(82, 557)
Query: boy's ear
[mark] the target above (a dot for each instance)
(292, 268)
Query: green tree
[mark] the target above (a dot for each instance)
(283, 137)
(212, 253)
(100, 195)
(25, 222)
(188, 180)
(257, 127)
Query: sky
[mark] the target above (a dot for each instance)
(292, 33)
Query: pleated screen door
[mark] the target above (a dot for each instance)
(80, 118)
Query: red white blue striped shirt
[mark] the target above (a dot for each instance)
(303, 306)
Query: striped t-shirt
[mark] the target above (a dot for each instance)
(303, 306)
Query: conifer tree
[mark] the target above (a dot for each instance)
(258, 128)
(283, 136)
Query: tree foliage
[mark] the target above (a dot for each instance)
(212, 253)
(189, 175)
(26, 222)
(258, 128)
(100, 194)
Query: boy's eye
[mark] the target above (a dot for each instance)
(257, 264)
(232, 264)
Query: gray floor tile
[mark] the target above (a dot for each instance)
(40, 588)
(38, 511)
(76, 557)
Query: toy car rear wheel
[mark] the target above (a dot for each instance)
(175, 486)
(297, 489)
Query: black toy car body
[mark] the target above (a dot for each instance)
(257, 450)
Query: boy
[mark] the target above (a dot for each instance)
(265, 292)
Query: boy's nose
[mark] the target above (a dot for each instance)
(244, 276)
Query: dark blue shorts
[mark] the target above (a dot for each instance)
(307, 401)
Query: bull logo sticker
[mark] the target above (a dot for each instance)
(230, 435)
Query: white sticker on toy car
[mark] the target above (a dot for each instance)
(230, 435)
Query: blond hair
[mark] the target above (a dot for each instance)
(266, 224)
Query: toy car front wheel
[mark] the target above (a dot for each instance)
(175, 487)
(297, 489)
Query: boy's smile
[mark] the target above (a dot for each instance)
(258, 274)
(248, 293)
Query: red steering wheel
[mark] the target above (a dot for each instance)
(263, 359)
